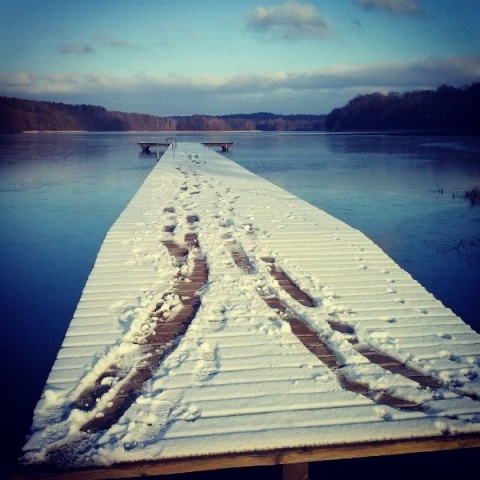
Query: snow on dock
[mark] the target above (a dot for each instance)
(225, 317)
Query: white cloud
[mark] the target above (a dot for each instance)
(316, 90)
(290, 20)
(76, 49)
(402, 7)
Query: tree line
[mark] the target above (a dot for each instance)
(20, 115)
(446, 108)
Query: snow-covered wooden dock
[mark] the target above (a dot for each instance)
(145, 146)
(228, 323)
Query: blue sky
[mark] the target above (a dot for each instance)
(182, 57)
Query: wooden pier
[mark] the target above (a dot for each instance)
(227, 323)
(145, 146)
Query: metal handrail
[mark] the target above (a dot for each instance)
(174, 144)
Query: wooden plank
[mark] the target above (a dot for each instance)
(295, 471)
(266, 458)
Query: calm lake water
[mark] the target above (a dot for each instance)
(60, 193)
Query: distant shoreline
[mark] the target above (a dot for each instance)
(145, 131)
(436, 132)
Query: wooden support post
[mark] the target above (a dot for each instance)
(295, 471)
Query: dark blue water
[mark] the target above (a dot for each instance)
(60, 193)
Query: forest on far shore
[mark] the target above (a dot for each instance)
(19, 115)
(444, 109)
